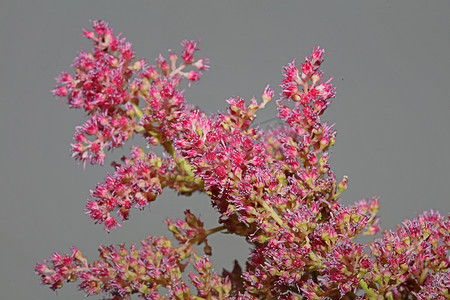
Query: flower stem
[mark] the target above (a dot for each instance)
(368, 290)
(138, 111)
(214, 230)
(272, 213)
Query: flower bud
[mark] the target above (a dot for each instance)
(343, 185)
(315, 77)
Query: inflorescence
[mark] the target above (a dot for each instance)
(274, 188)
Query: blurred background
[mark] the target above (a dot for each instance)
(390, 63)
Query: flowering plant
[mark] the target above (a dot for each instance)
(274, 188)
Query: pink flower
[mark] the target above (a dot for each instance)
(193, 76)
(273, 188)
(202, 64)
(189, 49)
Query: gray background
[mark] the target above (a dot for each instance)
(390, 62)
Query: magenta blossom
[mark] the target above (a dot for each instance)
(274, 188)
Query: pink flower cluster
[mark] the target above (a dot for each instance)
(275, 188)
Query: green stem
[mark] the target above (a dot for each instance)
(369, 291)
(214, 230)
(138, 111)
(169, 148)
(197, 241)
(272, 213)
